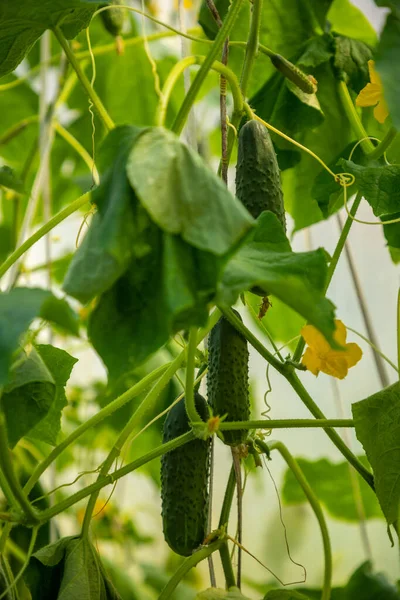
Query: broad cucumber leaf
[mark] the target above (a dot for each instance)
(387, 55)
(28, 396)
(297, 279)
(377, 421)
(347, 19)
(24, 21)
(364, 584)
(351, 61)
(183, 196)
(59, 364)
(18, 308)
(58, 311)
(332, 484)
(380, 185)
(114, 234)
(69, 569)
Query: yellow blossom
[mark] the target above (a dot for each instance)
(319, 356)
(372, 95)
(186, 4)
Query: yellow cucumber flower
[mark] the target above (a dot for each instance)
(372, 95)
(319, 356)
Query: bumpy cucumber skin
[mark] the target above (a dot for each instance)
(228, 377)
(113, 20)
(184, 483)
(258, 180)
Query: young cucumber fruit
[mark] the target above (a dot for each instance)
(228, 377)
(258, 180)
(184, 482)
(113, 19)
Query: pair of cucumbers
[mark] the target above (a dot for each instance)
(185, 471)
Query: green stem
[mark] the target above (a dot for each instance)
(18, 128)
(25, 565)
(333, 264)
(79, 149)
(8, 471)
(42, 231)
(313, 500)
(228, 498)
(5, 488)
(354, 119)
(146, 406)
(285, 424)
(105, 412)
(190, 405)
(227, 566)
(111, 478)
(398, 330)
(298, 387)
(97, 103)
(383, 145)
(335, 437)
(252, 45)
(187, 565)
(216, 48)
(176, 72)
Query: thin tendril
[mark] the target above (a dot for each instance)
(152, 62)
(375, 349)
(93, 61)
(283, 522)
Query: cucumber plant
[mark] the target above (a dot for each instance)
(157, 293)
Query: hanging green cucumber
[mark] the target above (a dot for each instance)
(258, 179)
(228, 377)
(184, 482)
(113, 20)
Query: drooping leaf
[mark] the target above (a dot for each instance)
(23, 22)
(162, 292)
(351, 62)
(364, 584)
(114, 234)
(380, 185)
(183, 196)
(386, 58)
(298, 279)
(9, 180)
(60, 365)
(377, 421)
(28, 396)
(18, 308)
(332, 484)
(69, 569)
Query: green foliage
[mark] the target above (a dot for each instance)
(351, 61)
(183, 196)
(69, 569)
(16, 38)
(388, 48)
(216, 594)
(10, 180)
(333, 486)
(376, 421)
(266, 261)
(284, 595)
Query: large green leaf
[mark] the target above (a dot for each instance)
(114, 234)
(59, 364)
(380, 185)
(377, 421)
(67, 570)
(183, 196)
(351, 61)
(28, 396)
(386, 60)
(166, 290)
(332, 484)
(24, 21)
(266, 261)
(364, 584)
(347, 19)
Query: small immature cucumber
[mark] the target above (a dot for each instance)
(303, 81)
(228, 377)
(184, 482)
(113, 19)
(258, 180)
